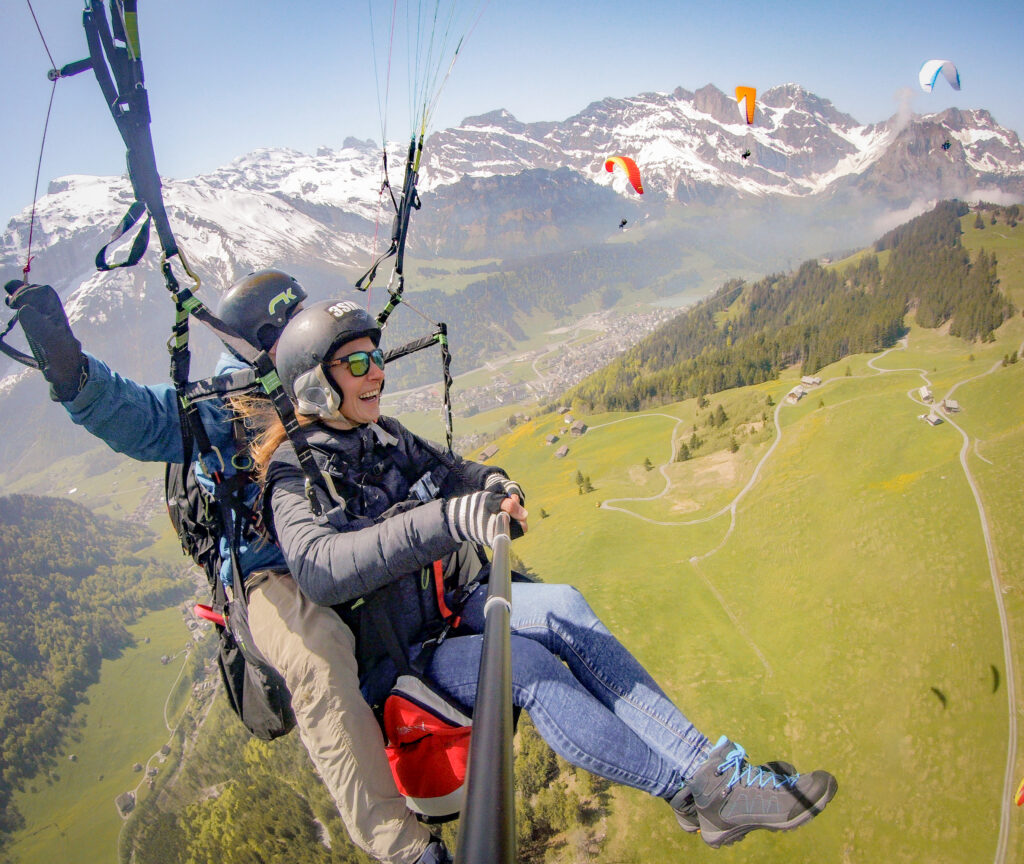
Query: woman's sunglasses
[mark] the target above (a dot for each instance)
(359, 361)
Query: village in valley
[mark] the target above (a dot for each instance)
(570, 356)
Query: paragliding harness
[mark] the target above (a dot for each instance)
(427, 736)
(256, 691)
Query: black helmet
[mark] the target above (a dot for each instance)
(259, 305)
(308, 341)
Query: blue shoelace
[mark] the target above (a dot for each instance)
(751, 775)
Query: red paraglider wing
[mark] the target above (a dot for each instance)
(629, 166)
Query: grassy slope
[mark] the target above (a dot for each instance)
(74, 818)
(854, 582)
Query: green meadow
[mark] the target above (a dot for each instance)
(846, 619)
(72, 818)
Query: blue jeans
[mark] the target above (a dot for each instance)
(599, 709)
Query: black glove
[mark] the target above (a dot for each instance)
(498, 482)
(49, 336)
(474, 517)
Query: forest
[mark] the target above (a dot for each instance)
(70, 580)
(748, 333)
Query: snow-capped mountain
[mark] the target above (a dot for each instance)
(496, 188)
(690, 145)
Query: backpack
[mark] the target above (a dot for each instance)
(427, 737)
(427, 748)
(256, 691)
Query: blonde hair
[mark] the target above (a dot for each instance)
(258, 415)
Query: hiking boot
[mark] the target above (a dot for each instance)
(435, 853)
(686, 808)
(735, 798)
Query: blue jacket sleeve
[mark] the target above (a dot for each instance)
(139, 421)
(333, 566)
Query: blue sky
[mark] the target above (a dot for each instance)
(229, 76)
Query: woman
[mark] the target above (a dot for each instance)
(397, 505)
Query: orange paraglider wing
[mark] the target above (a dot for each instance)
(629, 166)
(749, 95)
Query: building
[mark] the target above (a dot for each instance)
(810, 380)
(488, 452)
(578, 428)
(125, 803)
(562, 451)
(950, 406)
(925, 393)
(550, 439)
(932, 419)
(568, 419)
(795, 395)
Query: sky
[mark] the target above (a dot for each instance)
(230, 76)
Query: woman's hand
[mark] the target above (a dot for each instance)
(515, 510)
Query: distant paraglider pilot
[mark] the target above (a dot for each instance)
(622, 224)
(745, 154)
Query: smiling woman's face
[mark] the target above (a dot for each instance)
(360, 402)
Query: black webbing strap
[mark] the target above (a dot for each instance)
(116, 61)
(408, 202)
(438, 337)
(14, 353)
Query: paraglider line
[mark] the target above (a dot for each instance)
(41, 36)
(42, 146)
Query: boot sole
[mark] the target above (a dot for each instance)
(734, 835)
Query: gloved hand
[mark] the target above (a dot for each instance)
(49, 335)
(474, 517)
(498, 482)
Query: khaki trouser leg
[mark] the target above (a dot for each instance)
(314, 650)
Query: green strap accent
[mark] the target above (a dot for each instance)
(270, 382)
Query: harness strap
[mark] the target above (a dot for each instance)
(448, 615)
(14, 353)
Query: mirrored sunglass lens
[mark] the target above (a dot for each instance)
(359, 363)
(378, 357)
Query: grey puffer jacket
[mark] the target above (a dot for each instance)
(381, 537)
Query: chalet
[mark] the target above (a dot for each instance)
(932, 419)
(568, 419)
(125, 803)
(488, 452)
(925, 393)
(562, 451)
(950, 406)
(578, 428)
(810, 380)
(550, 439)
(564, 409)
(795, 395)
